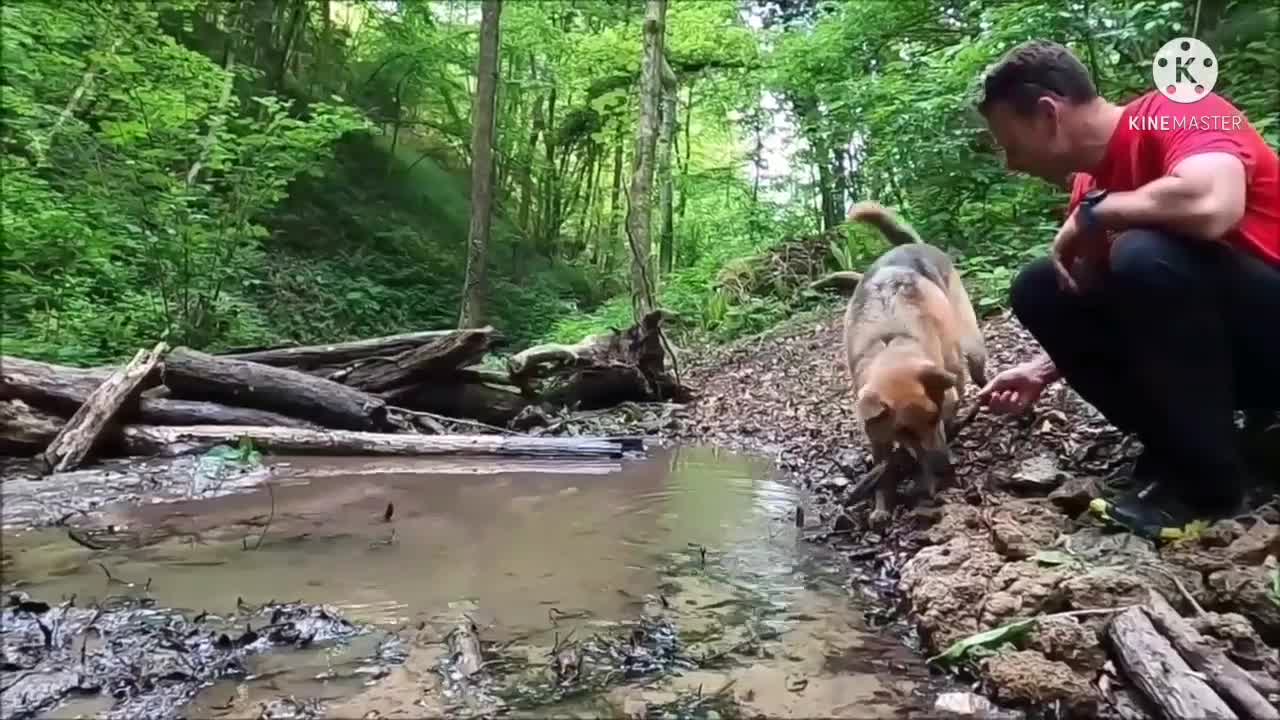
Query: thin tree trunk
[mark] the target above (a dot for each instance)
(638, 221)
(687, 149)
(666, 141)
(482, 129)
(615, 201)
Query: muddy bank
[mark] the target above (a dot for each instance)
(126, 658)
(1014, 540)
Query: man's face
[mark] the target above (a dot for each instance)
(1033, 144)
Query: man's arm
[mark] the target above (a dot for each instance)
(1044, 368)
(1204, 196)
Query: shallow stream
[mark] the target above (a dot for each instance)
(548, 560)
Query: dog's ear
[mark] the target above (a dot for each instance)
(871, 407)
(936, 382)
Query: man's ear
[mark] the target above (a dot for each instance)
(870, 406)
(936, 382)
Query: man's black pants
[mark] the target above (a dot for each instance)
(1176, 336)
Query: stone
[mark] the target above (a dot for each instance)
(1074, 495)
(1068, 640)
(1027, 677)
(1256, 544)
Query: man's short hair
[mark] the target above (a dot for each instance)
(1034, 70)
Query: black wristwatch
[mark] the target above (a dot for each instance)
(1091, 199)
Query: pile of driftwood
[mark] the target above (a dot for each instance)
(1180, 673)
(387, 395)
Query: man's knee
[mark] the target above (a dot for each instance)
(1034, 293)
(1153, 264)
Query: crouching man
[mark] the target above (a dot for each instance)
(1160, 300)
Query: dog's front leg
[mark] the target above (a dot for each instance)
(886, 486)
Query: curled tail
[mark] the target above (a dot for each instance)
(886, 221)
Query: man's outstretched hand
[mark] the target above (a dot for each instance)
(1015, 390)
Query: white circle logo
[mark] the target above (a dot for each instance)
(1184, 70)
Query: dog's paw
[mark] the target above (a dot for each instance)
(879, 519)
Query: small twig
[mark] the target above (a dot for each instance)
(1199, 610)
(270, 517)
(456, 421)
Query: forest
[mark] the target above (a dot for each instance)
(224, 175)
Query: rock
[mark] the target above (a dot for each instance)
(1066, 639)
(1246, 591)
(1104, 588)
(1222, 533)
(1254, 546)
(1240, 640)
(1026, 677)
(946, 585)
(1037, 474)
(1019, 529)
(1074, 495)
(966, 704)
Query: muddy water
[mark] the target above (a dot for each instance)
(534, 554)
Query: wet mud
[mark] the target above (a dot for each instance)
(675, 585)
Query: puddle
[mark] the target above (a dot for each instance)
(538, 555)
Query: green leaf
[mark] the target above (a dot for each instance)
(990, 639)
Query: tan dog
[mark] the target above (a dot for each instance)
(912, 343)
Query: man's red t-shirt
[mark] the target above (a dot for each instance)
(1155, 133)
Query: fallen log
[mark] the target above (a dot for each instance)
(1230, 680)
(77, 438)
(601, 370)
(164, 411)
(25, 430)
(437, 356)
(471, 401)
(1151, 663)
(56, 388)
(194, 375)
(336, 354)
(168, 441)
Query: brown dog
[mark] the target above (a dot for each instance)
(912, 343)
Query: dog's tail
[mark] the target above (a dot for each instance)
(886, 221)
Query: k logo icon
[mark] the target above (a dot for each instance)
(1184, 70)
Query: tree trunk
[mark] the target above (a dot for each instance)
(615, 203)
(79, 436)
(474, 287)
(197, 376)
(684, 166)
(666, 143)
(169, 441)
(638, 221)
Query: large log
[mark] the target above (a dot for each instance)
(158, 440)
(25, 430)
(1229, 679)
(55, 388)
(602, 370)
(194, 375)
(62, 390)
(337, 354)
(437, 356)
(164, 411)
(78, 437)
(1152, 664)
(471, 401)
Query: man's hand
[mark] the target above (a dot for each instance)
(1015, 390)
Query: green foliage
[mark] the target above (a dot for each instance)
(330, 197)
